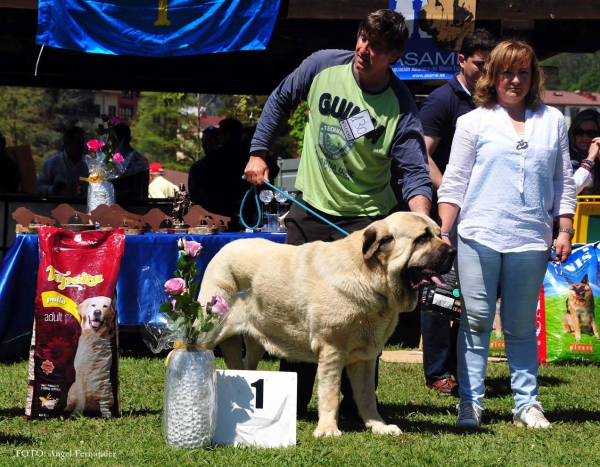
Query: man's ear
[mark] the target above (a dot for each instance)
(394, 58)
(461, 60)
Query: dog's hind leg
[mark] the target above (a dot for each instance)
(330, 379)
(254, 353)
(362, 379)
(232, 352)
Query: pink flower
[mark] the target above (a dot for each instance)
(175, 286)
(219, 306)
(118, 158)
(114, 121)
(192, 248)
(95, 145)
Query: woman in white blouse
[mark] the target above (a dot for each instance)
(510, 176)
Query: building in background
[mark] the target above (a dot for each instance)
(571, 103)
(120, 104)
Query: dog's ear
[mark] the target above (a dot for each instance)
(376, 237)
(585, 279)
(81, 309)
(569, 281)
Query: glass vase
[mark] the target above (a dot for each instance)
(190, 398)
(100, 193)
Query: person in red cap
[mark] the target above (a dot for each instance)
(159, 186)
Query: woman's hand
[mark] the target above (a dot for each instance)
(563, 246)
(594, 150)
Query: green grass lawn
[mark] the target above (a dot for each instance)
(570, 395)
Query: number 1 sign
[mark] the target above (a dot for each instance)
(256, 408)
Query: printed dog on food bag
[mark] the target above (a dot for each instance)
(92, 390)
(580, 315)
(334, 304)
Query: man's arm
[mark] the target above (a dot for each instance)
(293, 89)
(431, 143)
(410, 157)
(420, 204)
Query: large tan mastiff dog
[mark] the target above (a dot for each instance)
(335, 304)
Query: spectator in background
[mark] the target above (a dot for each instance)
(210, 140)
(438, 115)
(60, 175)
(159, 186)
(584, 142)
(133, 183)
(9, 170)
(215, 181)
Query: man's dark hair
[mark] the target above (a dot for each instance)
(72, 133)
(232, 127)
(389, 25)
(477, 40)
(123, 133)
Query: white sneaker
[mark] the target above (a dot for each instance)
(531, 416)
(469, 415)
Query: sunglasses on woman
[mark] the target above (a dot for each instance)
(588, 133)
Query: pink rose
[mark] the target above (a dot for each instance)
(118, 158)
(175, 286)
(95, 145)
(114, 121)
(219, 306)
(192, 248)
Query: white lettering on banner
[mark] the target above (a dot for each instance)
(256, 408)
(439, 58)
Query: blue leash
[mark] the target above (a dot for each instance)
(253, 188)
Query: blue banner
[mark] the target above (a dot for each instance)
(156, 28)
(436, 28)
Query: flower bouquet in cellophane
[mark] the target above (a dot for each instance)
(104, 165)
(189, 328)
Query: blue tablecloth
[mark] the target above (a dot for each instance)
(148, 255)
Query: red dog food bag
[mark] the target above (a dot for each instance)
(73, 361)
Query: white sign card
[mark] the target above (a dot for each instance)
(356, 126)
(256, 408)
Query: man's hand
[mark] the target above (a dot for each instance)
(256, 170)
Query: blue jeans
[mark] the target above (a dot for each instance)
(520, 275)
(439, 346)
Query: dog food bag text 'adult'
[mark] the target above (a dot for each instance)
(73, 361)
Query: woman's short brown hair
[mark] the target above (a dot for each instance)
(505, 56)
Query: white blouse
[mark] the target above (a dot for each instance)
(509, 187)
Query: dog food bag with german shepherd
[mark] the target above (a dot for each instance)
(571, 293)
(73, 361)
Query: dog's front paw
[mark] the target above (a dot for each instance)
(383, 429)
(325, 431)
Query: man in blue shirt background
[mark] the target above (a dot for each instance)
(438, 115)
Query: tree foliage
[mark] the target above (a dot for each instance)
(576, 72)
(39, 117)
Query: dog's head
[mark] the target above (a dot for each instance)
(408, 248)
(579, 290)
(97, 313)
